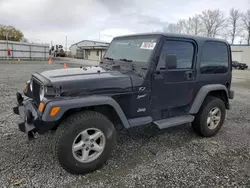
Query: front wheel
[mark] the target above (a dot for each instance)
(83, 142)
(210, 117)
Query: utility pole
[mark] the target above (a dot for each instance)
(66, 45)
(109, 36)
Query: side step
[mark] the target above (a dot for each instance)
(140, 121)
(174, 121)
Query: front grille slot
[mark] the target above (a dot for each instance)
(36, 91)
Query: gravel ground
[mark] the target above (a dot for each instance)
(144, 157)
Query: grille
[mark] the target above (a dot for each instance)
(36, 91)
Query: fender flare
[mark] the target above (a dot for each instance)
(67, 104)
(203, 92)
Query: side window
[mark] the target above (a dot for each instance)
(214, 58)
(183, 50)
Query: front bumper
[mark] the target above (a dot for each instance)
(30, 120)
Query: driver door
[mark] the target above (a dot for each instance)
(174, 79)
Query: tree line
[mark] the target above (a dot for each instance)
(11, 33)
(235, 27)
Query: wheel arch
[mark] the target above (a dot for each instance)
(105, 109)
(216, 90)
(95, 103)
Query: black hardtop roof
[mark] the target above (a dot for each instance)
(175, 35)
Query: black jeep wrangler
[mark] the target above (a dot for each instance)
(163, 79)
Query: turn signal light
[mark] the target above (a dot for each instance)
(54, 110)
(25, 86)
(41, 107)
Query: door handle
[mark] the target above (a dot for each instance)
(189, 75)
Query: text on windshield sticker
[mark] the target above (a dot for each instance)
(148, 45)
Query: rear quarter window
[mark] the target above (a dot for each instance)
(214, 58)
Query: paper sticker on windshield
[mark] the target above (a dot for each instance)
(148, 45)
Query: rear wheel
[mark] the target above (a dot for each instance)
(83, 142)
(210, 118)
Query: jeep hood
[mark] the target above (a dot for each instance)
(77, 81)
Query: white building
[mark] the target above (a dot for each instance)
(241, 53)
(88, 49)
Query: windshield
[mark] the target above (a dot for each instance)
(138, 49)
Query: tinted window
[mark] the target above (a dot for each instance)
(214, 58)
(184, 52)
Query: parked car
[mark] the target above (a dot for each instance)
(238, 65)
(163, 79)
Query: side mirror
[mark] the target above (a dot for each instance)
(170, 61)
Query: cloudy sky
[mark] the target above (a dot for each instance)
(50, 20)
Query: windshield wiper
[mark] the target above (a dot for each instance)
(109, 58)
(127, 60)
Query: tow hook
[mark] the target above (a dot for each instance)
(19, 98)
(31, 135)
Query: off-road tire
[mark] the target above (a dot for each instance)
(70, 128)
(199, 124)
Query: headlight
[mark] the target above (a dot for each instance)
(31, 85)
(26, 85)
(42, 92)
